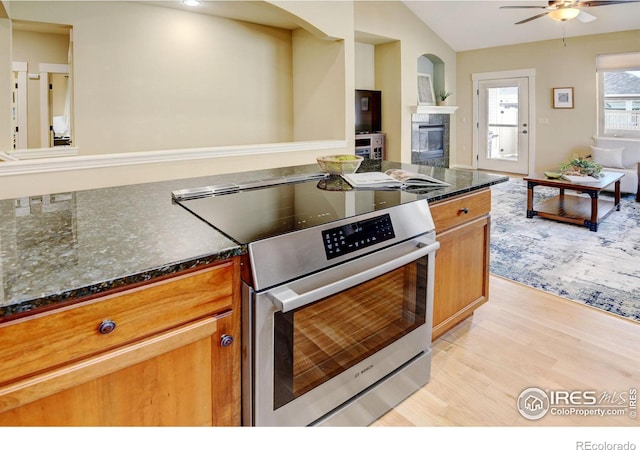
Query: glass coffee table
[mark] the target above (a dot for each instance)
(575, 209)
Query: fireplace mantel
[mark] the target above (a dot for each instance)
(432, 109)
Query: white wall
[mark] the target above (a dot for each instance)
(282, 54)
(560, 133)
(151, 78)
(319, 88)
(250, 68)
(365, 66)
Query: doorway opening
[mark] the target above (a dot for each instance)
(42, 103)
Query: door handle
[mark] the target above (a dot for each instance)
(524, 132)
(286, 299)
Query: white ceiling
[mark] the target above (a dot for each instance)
(470, 25)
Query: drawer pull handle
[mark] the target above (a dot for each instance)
(226, 340)
(106, 327)
(464, 210)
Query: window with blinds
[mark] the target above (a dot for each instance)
(618, 77)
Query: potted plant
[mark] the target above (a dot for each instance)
(442, 96)
(581, 166)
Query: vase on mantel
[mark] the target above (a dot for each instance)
(441, 103)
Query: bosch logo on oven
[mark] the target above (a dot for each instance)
(364, 370)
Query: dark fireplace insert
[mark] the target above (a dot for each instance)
(430, 139)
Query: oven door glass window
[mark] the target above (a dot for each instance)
(319, 341)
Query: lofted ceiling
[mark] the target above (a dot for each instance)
(471, 25)
(464, 25)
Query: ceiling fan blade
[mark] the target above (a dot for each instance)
(605, 3)
(585, 17)
(523, 7)
(532, 18)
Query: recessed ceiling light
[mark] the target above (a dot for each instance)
(191, 2)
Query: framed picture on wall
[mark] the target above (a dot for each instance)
(425, 90)
(563, 97)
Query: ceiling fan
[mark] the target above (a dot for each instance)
(563, 10)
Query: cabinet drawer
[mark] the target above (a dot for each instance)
(451, 213)
(67, 334)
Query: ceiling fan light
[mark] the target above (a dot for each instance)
(564, 14)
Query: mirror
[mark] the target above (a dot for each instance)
(59, 112)
(41, 92)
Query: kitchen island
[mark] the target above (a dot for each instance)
(112, 285)
(64, 247)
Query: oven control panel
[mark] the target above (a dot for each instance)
(355, 236)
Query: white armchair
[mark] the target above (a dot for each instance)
(622, 156)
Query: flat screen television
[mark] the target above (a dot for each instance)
(368, 111)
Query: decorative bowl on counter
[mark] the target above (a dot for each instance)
(339, 164)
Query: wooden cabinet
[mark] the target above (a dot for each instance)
(168, 361)
(462, 262)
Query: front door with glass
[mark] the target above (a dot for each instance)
(503, 125)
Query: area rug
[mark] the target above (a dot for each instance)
(600, 269)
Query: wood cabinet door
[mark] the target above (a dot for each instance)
(462, 274)
(183, 377)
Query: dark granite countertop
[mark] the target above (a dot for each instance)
(64, 247)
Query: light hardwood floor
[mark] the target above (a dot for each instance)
(522, 338)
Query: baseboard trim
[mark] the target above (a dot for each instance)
(461, 166)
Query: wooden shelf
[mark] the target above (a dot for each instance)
(573, 209)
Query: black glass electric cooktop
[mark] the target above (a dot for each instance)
(249, 213)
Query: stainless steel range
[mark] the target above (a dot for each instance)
(337, 304)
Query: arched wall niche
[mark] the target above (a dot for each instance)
(433, 65)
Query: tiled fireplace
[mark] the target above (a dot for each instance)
(430, 139)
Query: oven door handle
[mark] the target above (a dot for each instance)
(286, 299)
